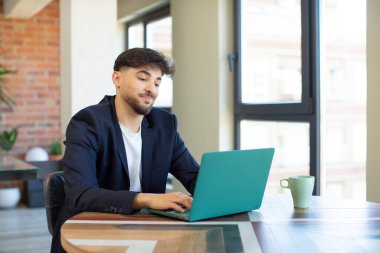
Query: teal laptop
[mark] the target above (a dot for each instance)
(228, 182)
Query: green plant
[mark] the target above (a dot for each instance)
(7, 138)
(56, 148)
(4, 97)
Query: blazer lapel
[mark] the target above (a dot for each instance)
(121, 149)
(119, 137)
(147, 136)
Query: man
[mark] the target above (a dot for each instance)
(120, 151)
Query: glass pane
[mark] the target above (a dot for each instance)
(136, 35)
(159, 37)
(291, 143)
(271, 51)
(344, 82)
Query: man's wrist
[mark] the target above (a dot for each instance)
(141, 200)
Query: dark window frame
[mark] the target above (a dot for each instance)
(308, 110)
(145, 19)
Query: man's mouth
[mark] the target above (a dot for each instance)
(148, 99)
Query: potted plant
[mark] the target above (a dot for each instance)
(9, 192)
(55, 150)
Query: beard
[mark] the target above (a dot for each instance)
(137, 107)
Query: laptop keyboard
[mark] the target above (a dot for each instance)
(172, 213)
(185, 214)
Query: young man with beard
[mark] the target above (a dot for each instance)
(120, 151)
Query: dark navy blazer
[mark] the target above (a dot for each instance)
(95, 162)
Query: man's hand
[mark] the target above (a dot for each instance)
(164, 201)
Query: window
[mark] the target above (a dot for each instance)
(154, 30)
(284, 136)
(343, 71)
(136, 35)
(275, 93)
(294, 89)
(271, 52)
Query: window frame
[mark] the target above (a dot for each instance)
(145, 19)
(308, 110)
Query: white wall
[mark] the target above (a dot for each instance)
(89, 45)
(373, 94)
(203, 85)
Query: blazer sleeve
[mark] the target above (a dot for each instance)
(83, 137)
(184, 167)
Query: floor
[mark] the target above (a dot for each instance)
(24, 230)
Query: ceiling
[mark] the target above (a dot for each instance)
(23, 8)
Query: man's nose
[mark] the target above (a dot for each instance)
(151, 86)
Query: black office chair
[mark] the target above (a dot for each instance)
(54, 196)
(34, 188)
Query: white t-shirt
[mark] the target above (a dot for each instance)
(133, 145)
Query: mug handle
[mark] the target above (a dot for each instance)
(287, 183)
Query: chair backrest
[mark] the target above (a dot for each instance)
(54, 196)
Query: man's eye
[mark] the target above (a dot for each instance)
(142, 79)
(157, 84)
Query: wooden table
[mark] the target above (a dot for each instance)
(12, 168)
(329, 225)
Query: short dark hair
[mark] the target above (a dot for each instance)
(141, 57)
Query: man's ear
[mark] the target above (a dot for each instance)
(116, 77)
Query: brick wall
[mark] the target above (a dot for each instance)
(32, 47)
